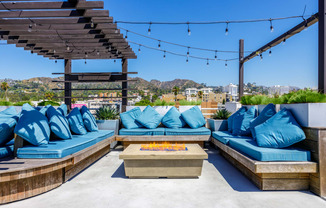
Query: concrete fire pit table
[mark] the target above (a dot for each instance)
(163, 164)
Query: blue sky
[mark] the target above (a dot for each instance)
(294, 63)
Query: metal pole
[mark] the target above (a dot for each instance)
(124, 85)
(241, 66)
(67, 84)
(321, 47)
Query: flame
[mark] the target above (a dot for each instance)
(165, 146)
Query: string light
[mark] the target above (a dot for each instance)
(149, 29)
(227, 28)
(114, 61)
(110, 48)
(226, 64)
(32, 52)
(126, 34)
(139, 51)
(207, 62)
(215, 57)
(98, 53)
(54, 51)
(164, 55)
(92, 24)
(271, 27)
(270, 52)
(261, 57)
(68, 48)
(159, 44)
(56, 61)
(189, 31)
(284, 41)
(30, 27)
(188, 52)
(85, 61)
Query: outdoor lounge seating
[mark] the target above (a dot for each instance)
(7, 150)
(172, 129)
(268, 168)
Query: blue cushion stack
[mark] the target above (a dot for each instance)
(89, 120)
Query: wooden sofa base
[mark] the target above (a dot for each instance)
(270, 175)
(191, 139)
(31, 177)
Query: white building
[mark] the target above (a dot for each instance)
(278, 90)
(191, 91)
(232, 90)
(206, 90)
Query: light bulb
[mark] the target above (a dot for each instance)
(207, 62)
(55, 61)
(149, 29)
(139, 51)
(159, 44)
(92, 24)
(261, 57)
(68, 48)
(272, 28)
(215, 57)
(284, 41)
(85, 61)
(187, 60)
(30, 28)
(226, 64)
(270, 52)
(98, 53)
(110, 48)
(227, 29)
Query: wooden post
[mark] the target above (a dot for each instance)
(124, 85)
(321, 47)
(241, 66)
(67, 84)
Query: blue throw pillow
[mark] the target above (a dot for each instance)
(241, 111)
(58, 123)
(149, 118)
(33, 126)
(241, 122)
(194, 117)
(63, 110)
(173, 119)
(44, 109)
(7, 126)
(281, 130)
(128, 118)
(266, 114)
(89, 120)
(9, 112)
(76, 123)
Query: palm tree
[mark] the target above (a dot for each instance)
(175, 90)
(200, 94)
(5, 87)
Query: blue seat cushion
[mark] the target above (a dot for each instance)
(7, 126)
(281, 130)
(33, 126)
(266, 114)
(58, 123)
(194, 117)
(250, 148)
(89, 120)
(149, 118)
(173, 119)
(63, 148)
(242, 110)
(7, 150)
(142, 131)
(188, 131)
(76, 122)
(63, 109)
(128, 118)
(226, 136)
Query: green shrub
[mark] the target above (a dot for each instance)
(5, 103)
(22, 103)
(45, 103)
(221, 114)
(107, 113)
(144, 103)
(301, 96)
(185, 102)
(163, 103)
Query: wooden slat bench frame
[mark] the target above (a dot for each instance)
(32, 177)
(270, 175)
(192, 139)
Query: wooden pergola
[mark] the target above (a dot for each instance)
(69, 30)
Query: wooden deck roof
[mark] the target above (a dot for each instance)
(71, 29)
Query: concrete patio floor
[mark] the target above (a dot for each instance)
(221, 185)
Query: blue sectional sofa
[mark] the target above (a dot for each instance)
(62, 148)
(160, 131)
(246, 145)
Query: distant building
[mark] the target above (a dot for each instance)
(232, 91)
(191, 91)
(279, 90)
(171, 97)
(214, 97)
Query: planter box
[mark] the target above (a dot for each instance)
(109, 125)
(183, 108)
(232, 107)
(308, 114)
(162, 110)
(217, 124)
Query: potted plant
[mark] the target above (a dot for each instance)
(218, 122)
(107, 118)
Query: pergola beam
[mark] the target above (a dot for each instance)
(52, 5)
